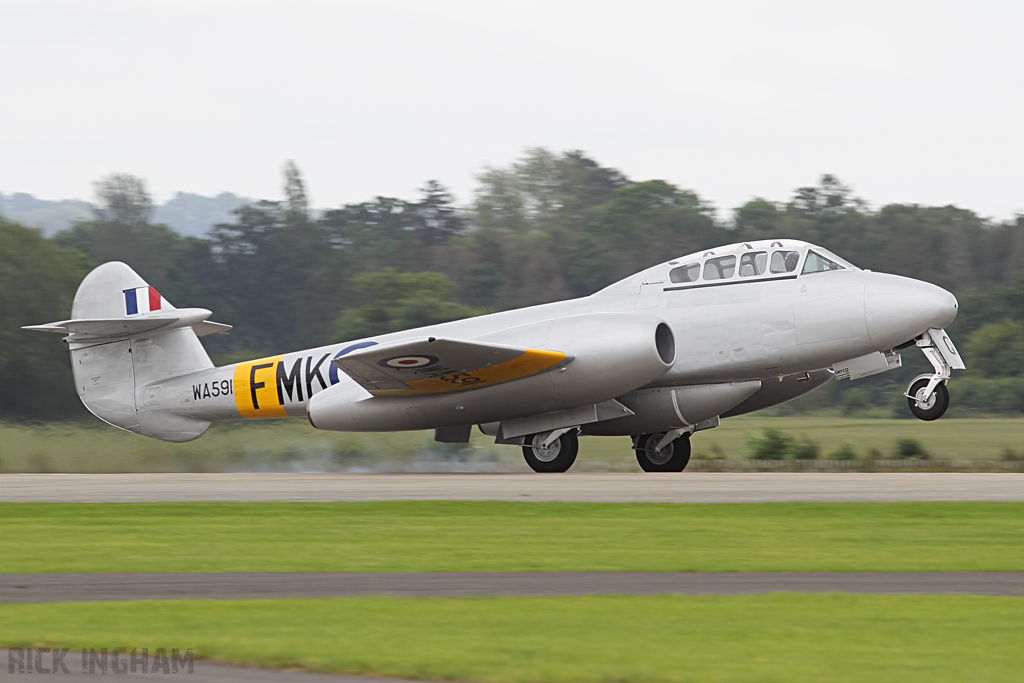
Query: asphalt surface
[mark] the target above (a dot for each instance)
(698, 487)
(202, 671)
(23, 588)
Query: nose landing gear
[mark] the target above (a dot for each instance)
(927, 395)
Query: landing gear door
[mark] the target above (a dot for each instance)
(945, 346)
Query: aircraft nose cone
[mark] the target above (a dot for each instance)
(898, 309)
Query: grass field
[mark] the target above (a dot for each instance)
(292, 445)
(425, 536)
(786, 637)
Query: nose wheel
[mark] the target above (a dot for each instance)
(925, 407)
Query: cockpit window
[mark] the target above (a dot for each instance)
(836, 259)
(688, 273)
(720, 268)
(784, 261)
(753, 263)
(816, 263)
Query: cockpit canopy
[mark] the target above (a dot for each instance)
(758, 260)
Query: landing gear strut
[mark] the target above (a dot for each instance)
(927, 395)
(663, 452)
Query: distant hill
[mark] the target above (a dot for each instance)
(186, 213)
(193, 214)
(49, 216)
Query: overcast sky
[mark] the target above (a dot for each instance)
(905, 101)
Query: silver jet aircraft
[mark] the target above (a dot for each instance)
(658, 356)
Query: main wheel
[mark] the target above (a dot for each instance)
(934, 407)
(672, 458)
(557, 457)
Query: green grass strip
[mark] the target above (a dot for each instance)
(495, 536)
(292, 445)
(784, 637)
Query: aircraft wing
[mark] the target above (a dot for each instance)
(434, 366)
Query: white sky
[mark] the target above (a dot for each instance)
(906, 101)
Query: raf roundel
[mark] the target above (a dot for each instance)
(411, 362)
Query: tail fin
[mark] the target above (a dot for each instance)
(125, 340)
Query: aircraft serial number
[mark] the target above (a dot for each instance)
(224, 387)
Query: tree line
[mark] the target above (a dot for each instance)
(549, 226)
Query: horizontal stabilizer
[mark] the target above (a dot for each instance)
(433, 366)
(205, 328)
(106, 329)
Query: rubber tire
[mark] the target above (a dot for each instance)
(941, 395)
(677, 462)
(569, 447)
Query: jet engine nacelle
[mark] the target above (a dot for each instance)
(663, 409)
(610, 354)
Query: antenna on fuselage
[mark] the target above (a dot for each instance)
(479, 298)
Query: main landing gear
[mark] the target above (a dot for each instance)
(551, 451)
(663, 452)
(927, 395)
(555, 451)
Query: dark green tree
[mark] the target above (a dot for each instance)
(38, 280)
(372, 235)
(830, 196)
(760, 217)
(394, 301)
(283, 281)
(543, 192)
(989, 304)
(644, 224)
(122, 199)
(296, 204)
(121, 231)
(435, 217)
(996, 349)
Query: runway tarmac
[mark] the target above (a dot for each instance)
(23, 588)
(698, 487)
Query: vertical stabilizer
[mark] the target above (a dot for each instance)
(114, 290)
(119, 375)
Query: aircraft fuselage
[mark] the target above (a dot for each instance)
(736, 329)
